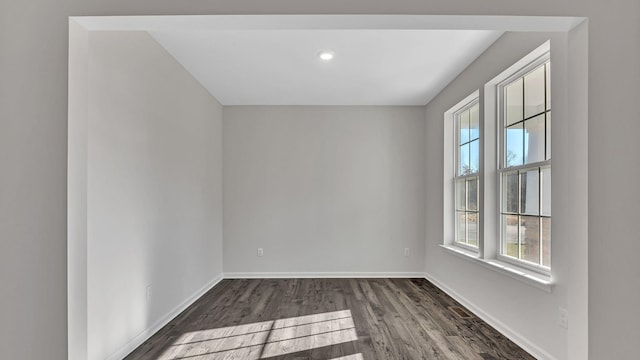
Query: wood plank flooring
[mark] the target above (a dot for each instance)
(346, 319)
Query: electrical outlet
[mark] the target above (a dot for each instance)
(260, 252)
(563, 318)
(406, 252)
(148, 293)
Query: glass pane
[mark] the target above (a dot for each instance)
(510, 192)
(461, 227)
(534, 88)
(545, 207)
(510, 235)
(529, 192)
(513, 102)
(548, 140)
(474, 122)
(464, 168)
(472, 227)
(514, 146)
(464, 126)
(530, 238)
(546, 241)
(548, 83)
(534, 134)
(461, 194)
(474, 156)
(472, 186)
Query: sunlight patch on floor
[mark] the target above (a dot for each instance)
(266, 339)
(357, 356)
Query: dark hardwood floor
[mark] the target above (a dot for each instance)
(347, 319)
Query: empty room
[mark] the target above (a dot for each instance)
(325, 187)
(321, 181)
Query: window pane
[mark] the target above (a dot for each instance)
(529, 195)
(474, 156)
(513, 102)
(514, 146)
(510, 192)
(461, 227)
(548, 140)
(534, 135)
(461, 194)
(545, 208)
(534, 88)
(510, 235)
(474, 122)
(530, 238)
(472, 227)
(548, 83)
(546, 241)
(464, 168)
(472, 202)
(464, 126)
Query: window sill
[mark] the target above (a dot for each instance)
(528, 277)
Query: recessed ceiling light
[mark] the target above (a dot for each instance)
(326, 55)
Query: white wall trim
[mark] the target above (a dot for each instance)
(505, 330)
(325, 275)
(336, 21)
(146, 334)
(521, 274)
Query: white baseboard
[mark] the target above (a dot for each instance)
(146, 334)
(324, 275)
(505, 330)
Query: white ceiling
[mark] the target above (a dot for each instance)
(380, 59)
(281, 67)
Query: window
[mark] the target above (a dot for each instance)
(467, 154)
(525, 165)
(497, 172)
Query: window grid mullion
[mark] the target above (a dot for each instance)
(525, 167)
(546, 120)
(466, 214)
(469, 156)
(519, 216)
(525, 118)
(546, 113)
(540, 213)
(523, 129)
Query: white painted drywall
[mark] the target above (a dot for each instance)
(578, 192)
(528, 312)
(33, 153)
(323, 189)
(154, 198)
(77, 190)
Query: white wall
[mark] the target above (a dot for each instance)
(527, 313)
(77, 190)
(154, 211)
(33, 153)
(324, 189)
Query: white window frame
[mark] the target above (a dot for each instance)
(533, 61)
(450, 174)
(489, 193)
(476, 175)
